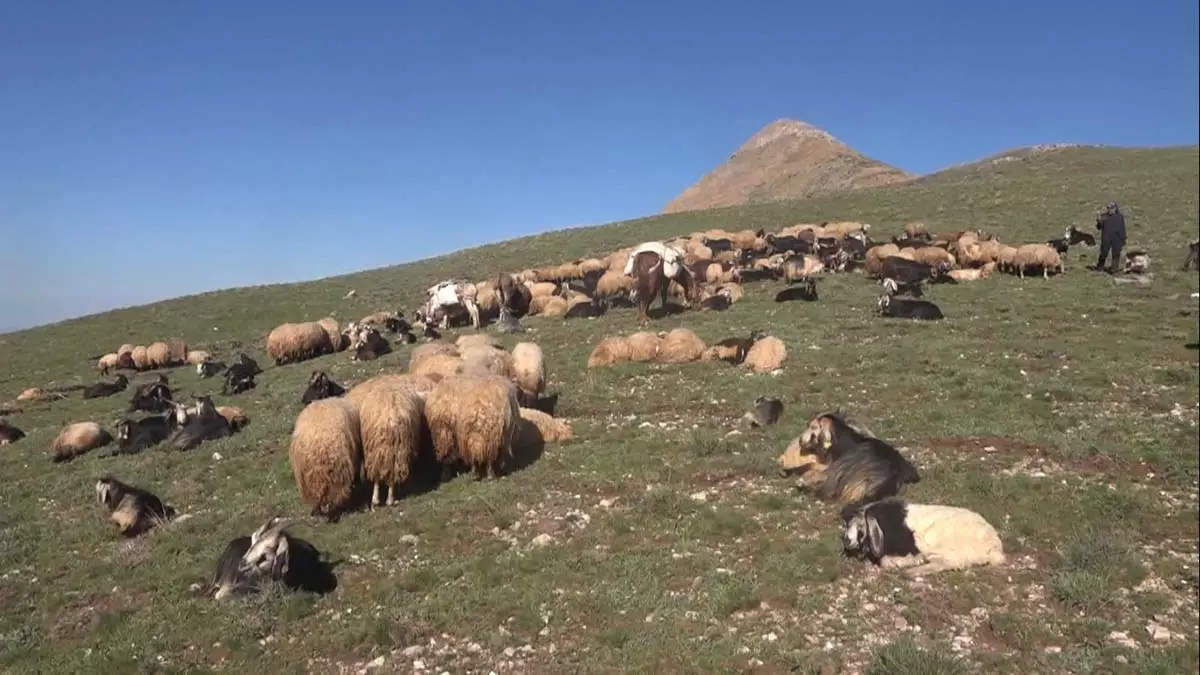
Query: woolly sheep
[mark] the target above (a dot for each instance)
(643, 347)
(542, 289)
(325, 453)
(1038, 256)
(178, 353)
(548, 428)
(77, 439)
(158, 354)
(477, 340)
(973, 274)
(528, 371)
(195, 358)
(485, 361)
(108, 362)
(473, 422)
(613, 283)
(920, 538)
(437, 366)
(608, 351)
(933, 256)
(766, 355)
(391, 419)
(555, 307)
(125, 349)
(916, 231)
(680, 345)
(876, 256)
(294, 342)
(141, 360)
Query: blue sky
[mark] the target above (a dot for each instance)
(215, 144)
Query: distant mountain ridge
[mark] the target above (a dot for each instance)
(787, 159)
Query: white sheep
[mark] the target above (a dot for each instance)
(920, 538)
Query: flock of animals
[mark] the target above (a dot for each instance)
(471, 405)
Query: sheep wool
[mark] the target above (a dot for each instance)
(608, 351)
(614, 282)
(391, 419)
(555, 307)
(141, 360)
(430, 349)
(550, 429)
(469, 340)
(198, 356)
(485, 360)
(325, 453)
(528, 369)
(294, 342)
(437, 366)
(125, 349)
(680, 346)
(77, 439)
(108, 362)
(179, 353)
(337, 341)
(473, 421)
(643, 347)
(159, 354)
(766, 355)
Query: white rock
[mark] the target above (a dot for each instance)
(1123, 639)
(1053, 650)
(377, 662)
(1158, 632)
(412, 651)
(409, 539)
(217, 457)
(510, 652)
(542, 540)
(770, 637)
(700, 496)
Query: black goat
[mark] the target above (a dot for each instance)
(915, 289)
(134, 436)
(908, 309)
(1193, 256)
(248, 564)
(371, 346)
(1060, 244)
(154, 397)
(718, 245)
(805, 289)
(789, 243)
(1076, 236)
(320, 386)
(239, 377)
(103, 389)
(205, 425)
(9, 433)
(906, 271)
(246, 364)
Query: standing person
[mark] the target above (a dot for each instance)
(1111, 224)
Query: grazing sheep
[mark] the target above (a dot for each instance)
(766, 411)
(733, 350)
(325, 453)
(934, 257)
(1037, 256)
(800, 268)
(902, 308)
(125, 349)
(109, 362)
(472, 422)
(920, 538)
(159, 355)
(917, 231)
(141, 360)
(77, 439)
(529, 372)
(766, 355)
(439, 365)
(270, 555)
(548, 428)
(104, 389)
(178, 353)
(876, 255)
(9, 433)
(845, 464)
(428, 350)
(320, 386)
(680, 345)
(294, 342)
(610, 350)
(391, 421)
(204, 424)
(133, 509)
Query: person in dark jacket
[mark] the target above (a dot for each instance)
(1111, 224)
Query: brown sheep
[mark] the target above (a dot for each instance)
(179, 353)
(608, 351)
(613, 283)
(1038, 256)
(198, 356)
(77, 439)
(159, 355)
(473, 422)
(337, 341)
(544, 429)
(722, 273)
(933, 256)
(877, 254)
(1006, 257)
(477, 340)
(236, 417)
(437, 366)
(391, 420)
(555, 307)
(680, 346)
(430, 349)
(325, 453)
(973, 274)
(916, 231)
(417, 384)
(592, 266)
(802, 267)
(294, 342)
(767, 355)
(141, 360)
(841, 229)
(125, 349)
(481, 361)
(643, 347)
(109, 362)
(529, 372)
(538, 303)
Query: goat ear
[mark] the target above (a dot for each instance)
(874, 535)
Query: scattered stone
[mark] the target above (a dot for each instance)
(542, 540)
(412, 651)
(410, 539)
(1158, 632)
(700, 496)
(1122, 638)
(376, 663)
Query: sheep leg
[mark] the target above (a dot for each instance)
(933, 566)
(375, 496)
(473, 310)
(391, 498)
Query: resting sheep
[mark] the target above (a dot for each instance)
(680, 345)
(766, 355)
(920, 538)
(325, 453)
(294, 342)
(77, 439)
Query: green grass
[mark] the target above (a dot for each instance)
(1062, 410)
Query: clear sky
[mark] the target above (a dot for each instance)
(150, 149)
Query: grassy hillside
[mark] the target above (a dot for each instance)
(1064, 410)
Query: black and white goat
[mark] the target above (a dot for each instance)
(902, 308)
(269, 555)
(152, 397)
(320, 386)
(766, 411)
(133, 509)
(919, 538)
(1075, 236)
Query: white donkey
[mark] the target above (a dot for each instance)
(447, 295)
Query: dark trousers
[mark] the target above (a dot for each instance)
(1110, 246)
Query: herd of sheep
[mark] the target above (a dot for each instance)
(471, 405)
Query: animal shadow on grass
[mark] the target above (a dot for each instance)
(1192, 345)
(664, 311)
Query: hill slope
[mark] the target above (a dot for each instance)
(787, 159)
(673, 546)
